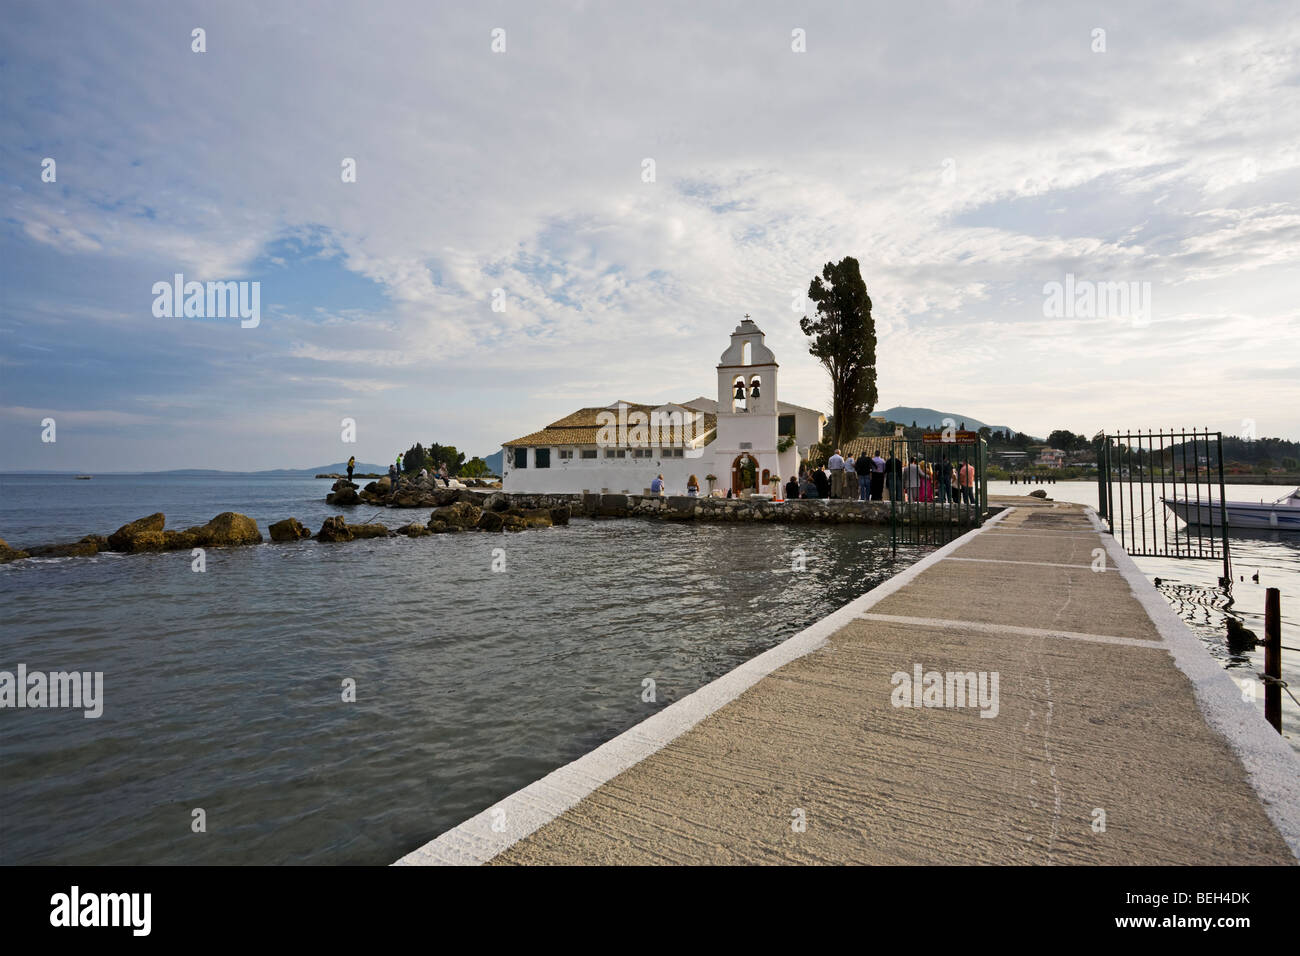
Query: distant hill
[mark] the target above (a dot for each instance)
(929, 418)
(494, 462)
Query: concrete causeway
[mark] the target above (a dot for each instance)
(1115, 738)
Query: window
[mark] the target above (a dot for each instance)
(521, 457)
(566, 454)
(589, 453)
(543, 457)
(672, 453)
(643, 453)
(615, 453)
(785, 425)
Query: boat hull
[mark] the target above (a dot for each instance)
(1241, 514)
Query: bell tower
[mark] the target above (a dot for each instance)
(747, 409)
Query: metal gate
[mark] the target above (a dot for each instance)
(1162, 494)
(937, 486)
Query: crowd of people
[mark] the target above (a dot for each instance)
(872, 477)
(395, 473)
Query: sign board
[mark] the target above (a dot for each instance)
(951, 438)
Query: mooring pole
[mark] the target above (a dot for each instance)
(1273, 658)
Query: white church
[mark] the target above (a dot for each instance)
(743, 438)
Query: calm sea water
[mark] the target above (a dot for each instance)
(223, 689)
(1191, 587)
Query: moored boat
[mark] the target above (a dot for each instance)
(1282, 515)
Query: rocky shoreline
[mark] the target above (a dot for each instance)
(460, 509)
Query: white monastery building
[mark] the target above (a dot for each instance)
(743, 438)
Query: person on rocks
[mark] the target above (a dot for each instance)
(442, 473)
(393, 478)
(352, 463)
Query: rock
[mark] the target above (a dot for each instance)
(491, 521)
(1038, 493)
(561, 514)
(383, 486)
(334, 529)
(413, 498)
(413, 530)
(225, 530)
(497, 502)
(343, 483)
(182, 540)
(344, 497)
(288, 530)
(98, 540)
(445, 496)
(511, 522)
(120, 540)
(369, 530)
(146, 541)
(534, 517)
(459, 514)
(78, 549)
(437, 527)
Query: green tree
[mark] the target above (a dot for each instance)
(844, 340)
(474, 468)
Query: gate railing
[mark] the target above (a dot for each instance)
(1162, 494)
(929, 505)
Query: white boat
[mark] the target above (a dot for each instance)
(1282, 515)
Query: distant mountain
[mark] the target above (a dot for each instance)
(494, 462)
(929, 418)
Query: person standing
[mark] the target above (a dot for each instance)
(894, 477)
(442, 473)
(877, 477)
(822, 483)
(967, 477)
(836, 465)
(944, 475)
(850, 479)
(865, 468)
(912, 480)
(352, 463)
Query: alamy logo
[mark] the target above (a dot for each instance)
(75, 908)
(1085, 299)
(636, 429)
(212, 300)
(75, 689)
(951, 689)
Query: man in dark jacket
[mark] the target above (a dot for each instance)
(822, 482)
(792, 487)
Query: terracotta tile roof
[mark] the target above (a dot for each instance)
(582, 428)
(875, 444)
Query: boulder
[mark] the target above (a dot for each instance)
(460, 514)
(334, 529)
(78, 549)
(497, 502)
(1038, 493)
(533, 517)
(369, 530)
(225, 530)
(561, 514)
(344, 497)
(120, 540)
(343, 483)
(413, 498)
(511, 522)
(181, 540)
(490, 521)
(288, 530)
(445, 496)
(98, 540)
(146, 541)
(414, 530)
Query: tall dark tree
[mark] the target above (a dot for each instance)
(844, 340)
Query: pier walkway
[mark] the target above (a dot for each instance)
(1113, 738)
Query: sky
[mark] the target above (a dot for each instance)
(968, 155)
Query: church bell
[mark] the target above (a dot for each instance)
(753, 392)
(740, 391)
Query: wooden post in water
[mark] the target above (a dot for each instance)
(1273, 658)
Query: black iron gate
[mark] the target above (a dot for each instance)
(1162, 494)
(937, 487)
